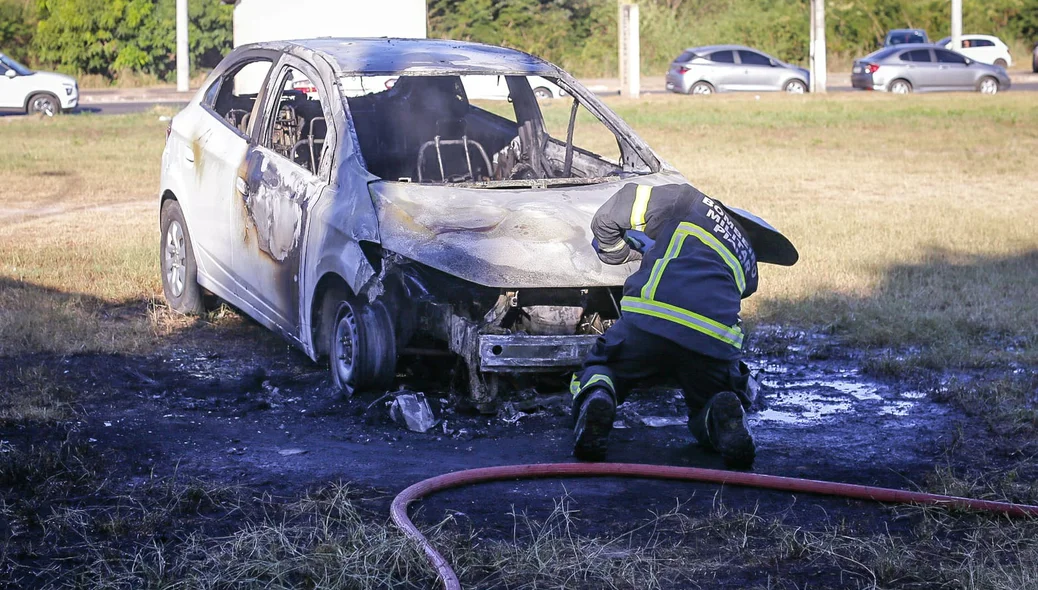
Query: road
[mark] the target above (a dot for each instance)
(108, 102)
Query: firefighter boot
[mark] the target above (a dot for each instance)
(594, 421)
(721, 426)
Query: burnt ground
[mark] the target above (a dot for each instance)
(240, 408)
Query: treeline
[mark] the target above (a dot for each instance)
(580, 35)
(112, 37)
(109, 37)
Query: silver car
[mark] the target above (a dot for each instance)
(918, 67)
(727, 68)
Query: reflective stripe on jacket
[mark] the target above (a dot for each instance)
(691, 282)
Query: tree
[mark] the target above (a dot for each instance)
(17, 24)
(109, 36)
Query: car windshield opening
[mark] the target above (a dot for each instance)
(17, 67)
(484, 130)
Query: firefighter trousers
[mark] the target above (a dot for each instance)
(626, 356)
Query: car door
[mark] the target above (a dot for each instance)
(285, 172)
(723, 72)
(218, 142)
(919, 69)
(758, 73)
(953, 71)
(9, 95)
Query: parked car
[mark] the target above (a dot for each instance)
(45, 93)
(917, 67)
(1034, 59)
(398, 221)
(983, 48)
(726, 68)
(903, 36)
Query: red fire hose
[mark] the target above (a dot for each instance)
(398, 511)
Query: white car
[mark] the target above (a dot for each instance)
(26, 91)
(983, 48)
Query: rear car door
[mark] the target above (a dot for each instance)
(217, 144)
(920, 69)
(286, 170)
(954, 73)
(723, 72)
(758, 73)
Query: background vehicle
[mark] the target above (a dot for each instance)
(924, 68)
(983, 48)
(1034, 59)
(726, 68)
(358, 218)
(902, 36)
(24, 90)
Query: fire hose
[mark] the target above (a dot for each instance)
(398, 510)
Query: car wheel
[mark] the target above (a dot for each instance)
(702, 88)
(542, 93)
(362, 353)
(44, 104)
(900, 87)
(795, 87)
(1001, 63)
(988, 85)
(177, 257)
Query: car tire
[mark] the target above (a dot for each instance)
(44, 104)
(795, 86)
(542, 93)
(177, 260)
(1001, 63)
(702, 88)
(900, 86)
(362, 350)
(988, 85)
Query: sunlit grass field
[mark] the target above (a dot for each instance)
(914, 216)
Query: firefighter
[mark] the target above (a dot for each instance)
(680, 313)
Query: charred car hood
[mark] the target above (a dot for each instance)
(507, 238)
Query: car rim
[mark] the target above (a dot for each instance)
(43, 106)
(701, 89)
(900, 88)
(345, 333)
(542, 93)
(795, 88)
(175, 254)
(989, 86)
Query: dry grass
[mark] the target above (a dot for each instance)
(911, 216)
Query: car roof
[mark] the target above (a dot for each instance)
(906, 31)
(386, 55)
(709, 48)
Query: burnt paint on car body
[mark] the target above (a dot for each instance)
(382, 239)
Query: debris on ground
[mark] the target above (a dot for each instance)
(412, 410)
(290, 452)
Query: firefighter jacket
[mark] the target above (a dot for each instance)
(692, 279)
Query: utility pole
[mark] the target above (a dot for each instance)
(817, 49)
(629, 47)
(183, 56)
(956, 24)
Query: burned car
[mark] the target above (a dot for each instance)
(367, 221)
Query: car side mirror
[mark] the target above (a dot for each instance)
(10, 73)
(969, 61)
(774, 63)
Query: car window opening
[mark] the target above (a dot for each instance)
(299, 128)
(233, 97)
(425, 129)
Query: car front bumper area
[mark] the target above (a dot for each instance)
(519, 353)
